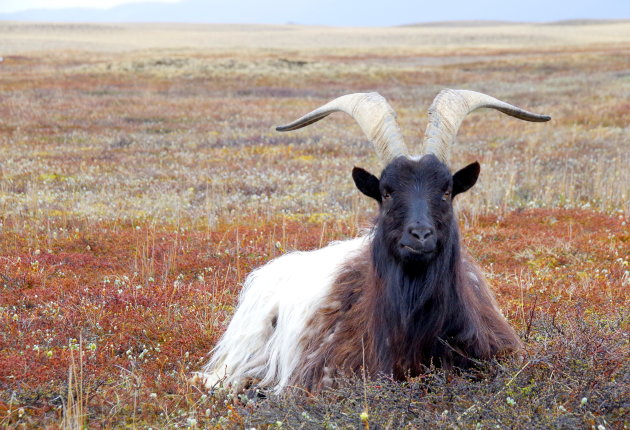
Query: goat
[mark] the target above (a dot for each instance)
(393, 301)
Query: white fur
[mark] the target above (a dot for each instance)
(291, 287)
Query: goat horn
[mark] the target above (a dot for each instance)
(448, 110)
(374, 115)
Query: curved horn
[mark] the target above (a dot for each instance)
(448, 110)
(374, 115)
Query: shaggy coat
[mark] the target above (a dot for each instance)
(393, 312)
(398, 324)
(399, 299)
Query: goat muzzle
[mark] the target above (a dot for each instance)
(418, 241)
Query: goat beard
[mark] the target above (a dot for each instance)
(414, 259)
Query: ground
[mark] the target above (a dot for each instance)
(140, 182)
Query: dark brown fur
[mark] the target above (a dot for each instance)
(343, 335)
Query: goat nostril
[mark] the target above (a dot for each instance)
(421, 234)
(427, 233)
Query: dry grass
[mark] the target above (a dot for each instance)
(140, 181)
(450, 38)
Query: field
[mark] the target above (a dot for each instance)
(141, 180)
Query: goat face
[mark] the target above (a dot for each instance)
(415, 199)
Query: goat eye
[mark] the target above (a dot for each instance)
(446, 195)
(387, 196)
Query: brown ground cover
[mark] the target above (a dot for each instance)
(139, 186)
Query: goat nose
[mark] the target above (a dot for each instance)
(422, 234)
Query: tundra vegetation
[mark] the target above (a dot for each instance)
(141, 180)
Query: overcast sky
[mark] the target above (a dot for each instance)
(324, 12)
(20, 5)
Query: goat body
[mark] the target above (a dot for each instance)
(374, 302)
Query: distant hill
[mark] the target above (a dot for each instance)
(471, 23)
(186, 11)
(325, 12)
(588, 21)
(214, 11)
(489, 23)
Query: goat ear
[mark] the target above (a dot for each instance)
(465, 178)
(367, 183)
